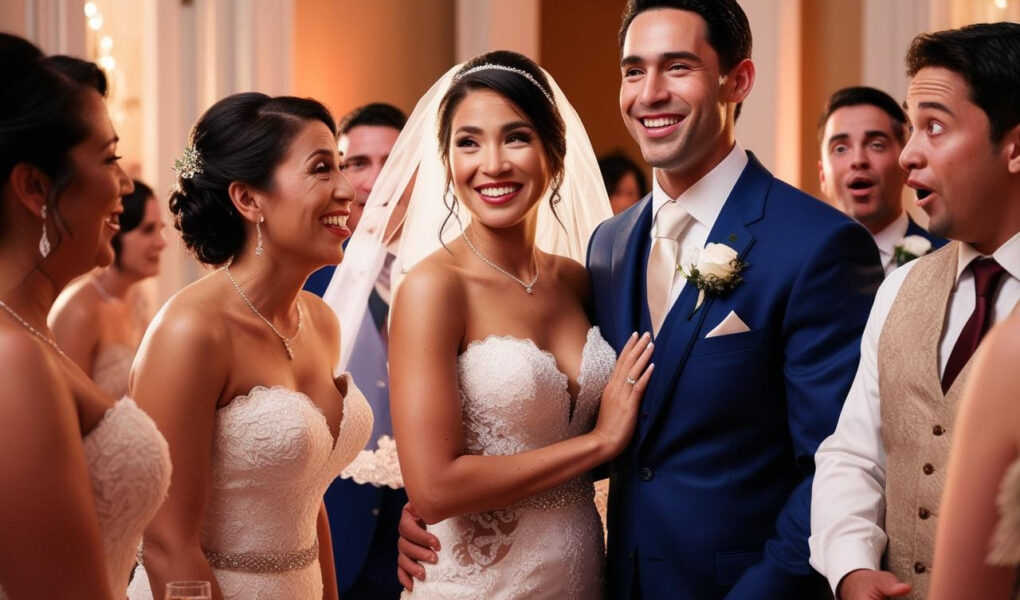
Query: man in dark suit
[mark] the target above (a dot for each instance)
(363, 514)
(862, 132)
(755, 351)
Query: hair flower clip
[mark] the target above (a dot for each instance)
(189, 164)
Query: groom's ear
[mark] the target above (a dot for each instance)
(739, 81)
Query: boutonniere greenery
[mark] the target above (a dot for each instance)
(717, 272)
(909, 248)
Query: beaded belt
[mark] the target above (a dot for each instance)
(571, 492)
(263, 562)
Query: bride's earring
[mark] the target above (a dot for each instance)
(258, 231)
(44, 241)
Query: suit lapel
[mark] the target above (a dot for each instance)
(630, 247)
(679, 332)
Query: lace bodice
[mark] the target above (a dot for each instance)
(129, 465)
(273, 456)
(514, 398)
(111, 368)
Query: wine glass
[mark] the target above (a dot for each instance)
(188, 590)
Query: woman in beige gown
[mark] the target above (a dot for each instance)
(100, 318)
(977, 548)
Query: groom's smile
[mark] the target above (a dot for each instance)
(673, 97)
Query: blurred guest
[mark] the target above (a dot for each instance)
(625, 182)
(80, 473)
(977, 549)
(875, 503)
(99, 320)
(862, 133)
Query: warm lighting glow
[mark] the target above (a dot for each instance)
(108, 63)
(1000, 4)
(96, 22)
(90, 9)
(106, 43)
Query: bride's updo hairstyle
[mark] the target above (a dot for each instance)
(243, 137)
(41, 113)
(518, 79)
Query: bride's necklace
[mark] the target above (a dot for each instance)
(286, 340)
(52, 342)
(527, 286)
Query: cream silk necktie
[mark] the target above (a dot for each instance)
(662, 271)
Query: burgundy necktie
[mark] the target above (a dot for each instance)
(987, 274)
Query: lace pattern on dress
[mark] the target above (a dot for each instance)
(273, 457)
(514, 398)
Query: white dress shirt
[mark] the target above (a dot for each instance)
(704, 201)
(889, 238)
(848, 495)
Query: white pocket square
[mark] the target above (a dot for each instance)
(730, 325)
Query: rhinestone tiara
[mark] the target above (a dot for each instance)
(521, 72)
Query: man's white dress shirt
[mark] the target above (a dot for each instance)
(889, 238)
(704, 201)
(848, 495)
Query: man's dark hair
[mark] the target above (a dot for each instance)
(376, 113)
(727, 29)
(987, 56)
(865, 96)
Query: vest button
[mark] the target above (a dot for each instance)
(938, 430)
(646, 474)
(923, 513)
(928, 469)
(919, 568)
(630, 555)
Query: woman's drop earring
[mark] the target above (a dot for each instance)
(258, 230)
(44, 241)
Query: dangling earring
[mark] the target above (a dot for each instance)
(258, 230)
(44, 241)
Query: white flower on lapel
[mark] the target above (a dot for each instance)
(716, 272)
(909, 248)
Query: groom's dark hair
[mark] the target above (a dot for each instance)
(729, 32)
(727, 29)
(987, 56)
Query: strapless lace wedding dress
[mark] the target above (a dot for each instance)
(273, 457)
(514, 398)
(129, 465)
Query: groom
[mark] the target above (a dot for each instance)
(711, 499)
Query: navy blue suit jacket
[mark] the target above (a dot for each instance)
(711, 499)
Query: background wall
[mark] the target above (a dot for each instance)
(351, 52)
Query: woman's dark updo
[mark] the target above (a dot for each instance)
(243, 137)
(529, 98)
(42, 111)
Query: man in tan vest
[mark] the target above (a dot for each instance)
(879, 477)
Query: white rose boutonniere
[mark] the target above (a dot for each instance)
(909, 248)
(717, 272)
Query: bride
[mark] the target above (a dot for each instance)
(496, 373)
(237, 368)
